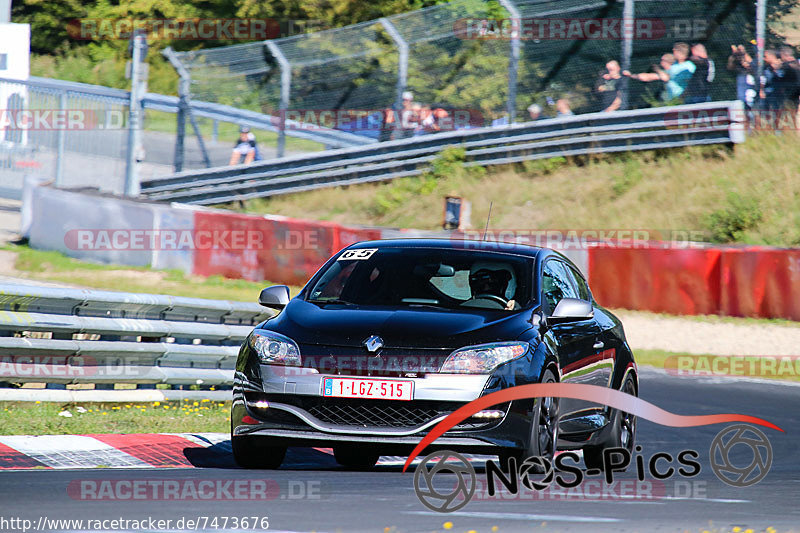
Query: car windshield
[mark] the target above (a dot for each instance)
(425, 276)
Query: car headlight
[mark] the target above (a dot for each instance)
(275, 349)
(483, 358)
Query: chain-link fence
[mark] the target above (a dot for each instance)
(489, 60)
(76, 135)
(72, 138)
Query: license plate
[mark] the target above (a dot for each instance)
(379, 389)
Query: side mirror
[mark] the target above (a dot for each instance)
(571, 310)
(275, 297)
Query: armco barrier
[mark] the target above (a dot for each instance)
(675, 281)
(761, 282)
(78, 336)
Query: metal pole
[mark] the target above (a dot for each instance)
(62, 135)
(184, 87)
(134, 118)
(513, 58)
(5, 11)
(402, 60)
(628, 21)
(200, 142)
(761, 18)
(286, 87)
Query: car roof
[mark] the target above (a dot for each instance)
(455, 244)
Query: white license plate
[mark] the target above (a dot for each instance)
(379, 389)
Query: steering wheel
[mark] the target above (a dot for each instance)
(495, 298)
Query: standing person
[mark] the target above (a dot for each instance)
(699, 86)
(741, 63)
(409, 118)
(609, 87)
(792, 77)
(534, 111)
(773, 85)
(245, 148)
(675, 77)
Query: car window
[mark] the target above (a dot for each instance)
(580, 284)
(449, 278)
(556, 284)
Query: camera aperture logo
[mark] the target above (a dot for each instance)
(452, 499)
(724, 466)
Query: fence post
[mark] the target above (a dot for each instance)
(61, 140)
(135, 116)
(183, 95)
(513, 58)
(628, 21)
(402, 61)
(286, 87)
(761, 17)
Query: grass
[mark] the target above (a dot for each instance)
(750, 194)
(35, 418)
(55, 266)
(226, 132)
(785, 369)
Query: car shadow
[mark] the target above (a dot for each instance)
(220, 455)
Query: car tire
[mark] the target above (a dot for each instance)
(543, 440)
(355, 458)
(623, 433)
(251, 452)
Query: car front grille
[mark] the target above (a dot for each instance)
(369, 414)
(365, 413)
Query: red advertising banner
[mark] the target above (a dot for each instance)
(277, 249)
(761, 282)
(675, 281)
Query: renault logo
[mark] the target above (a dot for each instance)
(373, 343)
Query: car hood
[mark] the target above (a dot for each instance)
(412, 327)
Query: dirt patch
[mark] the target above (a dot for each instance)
(7, 262)
(694, 336)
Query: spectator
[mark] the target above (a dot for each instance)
(562, 108)
(792, 77)
(409, 116)
(675, 75)
(245, 148)
(433, 120)
(741, 63)
(698, 88)
(774, 89)
(535, 111)
(608, 87)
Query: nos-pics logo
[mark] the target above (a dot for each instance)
(455, 489)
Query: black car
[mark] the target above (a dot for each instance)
(389, 337)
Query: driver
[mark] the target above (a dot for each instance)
(492, 285)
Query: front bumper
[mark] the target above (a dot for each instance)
(288, 406)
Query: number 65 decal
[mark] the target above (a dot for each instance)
(366, 253)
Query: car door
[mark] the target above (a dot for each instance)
(599, 365)
(574, 341)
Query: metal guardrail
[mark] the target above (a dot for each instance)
(210, 110)
(62, 336)
(643, 129)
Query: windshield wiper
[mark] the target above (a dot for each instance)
(331, 301)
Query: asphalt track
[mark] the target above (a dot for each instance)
(314, 494)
